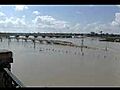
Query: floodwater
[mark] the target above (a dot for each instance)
(56, 65)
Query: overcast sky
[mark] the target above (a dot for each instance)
(60, 18)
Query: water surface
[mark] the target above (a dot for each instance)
(56, 65)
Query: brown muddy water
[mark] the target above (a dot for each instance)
(56, 65)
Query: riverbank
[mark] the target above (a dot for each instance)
(111, 39)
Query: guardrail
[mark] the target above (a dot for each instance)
(15, 81)
(7, 79)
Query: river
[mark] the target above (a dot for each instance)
(56, 65)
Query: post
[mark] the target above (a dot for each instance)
(82, 44)
(5, 60)
(1, 39)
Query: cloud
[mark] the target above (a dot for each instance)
(97, 27)
(78, 12)
(2, 14)
(15, 22)
(12, 24)
(116, 21)
(90, 27)
(110, 27)
(94, 27)
(117, 6)
(20, 7)
(77, 28)
(50, 23)
(47, 23)
(36, 13)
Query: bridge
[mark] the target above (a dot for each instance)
(43, 35)
(7, 78)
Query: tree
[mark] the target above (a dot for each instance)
(92, 33)
(101, 32)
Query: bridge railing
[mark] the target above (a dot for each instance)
(7, 79)
(15, 81)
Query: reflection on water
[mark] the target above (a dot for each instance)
(34, 44)
(38, 64)
(9, 42)
(82, 51)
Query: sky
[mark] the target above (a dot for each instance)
(60, 18)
